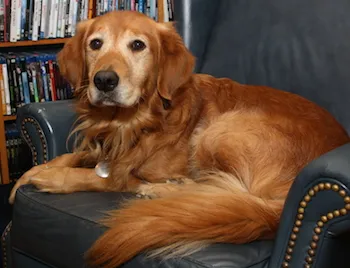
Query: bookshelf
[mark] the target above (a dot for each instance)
(33, 43)
(9, 117)
(162, 13)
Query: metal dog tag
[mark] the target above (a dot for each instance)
(102, 169)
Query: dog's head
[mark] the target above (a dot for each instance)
(123, 57)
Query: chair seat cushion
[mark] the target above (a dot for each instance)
(56, 230)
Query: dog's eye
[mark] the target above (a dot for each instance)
(96, 44)
(137, 45)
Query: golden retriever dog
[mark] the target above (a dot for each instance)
(214, 158)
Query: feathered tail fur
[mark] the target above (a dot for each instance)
(182, 223)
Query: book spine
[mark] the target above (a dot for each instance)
(16, 98)
(7, 89)
(8, 154)
(25, 82)
(2, 90)
(23, 18)
(105, 6)
(148, 8)
(18, 19)
(58, 80)
(97, 3)
(13, 31)
(166, 11)
(2, 21)
(170, 10)
(52, 79)
(30, 80)
(29, 28)
(59, 18)
(86, 10)
(36, 20)
(43, 19)
(74, 18)
(49, 85)
(109, 6)
(91, 11)
(50, 18)
(153, 9)
(44, 80)
(20, 83)
(33, 70)
(55, 19)
(15, 89)
(141, 7)
(133, 5)
(63, 18)
(7, 20)
(79, 10)
(70, 16)
(66, 18)
(40, 81)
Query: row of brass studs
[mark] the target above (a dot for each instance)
(30, 143)
(34, 153)
(318, 229)
(3, 242)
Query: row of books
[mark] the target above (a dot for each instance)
(18, 152)
(40, 19)
(148, 7)
(30, 77)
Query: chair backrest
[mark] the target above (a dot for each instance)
(297, 46)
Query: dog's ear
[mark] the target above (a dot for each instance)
(71, 59)
(176, 63)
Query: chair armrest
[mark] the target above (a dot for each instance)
(45, 127)
(315, 223)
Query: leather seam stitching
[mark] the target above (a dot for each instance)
(30, 142)
(3, 244)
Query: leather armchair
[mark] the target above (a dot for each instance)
(298, 46)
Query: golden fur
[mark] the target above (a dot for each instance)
(234, 150)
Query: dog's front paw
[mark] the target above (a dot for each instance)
(51, 180)
(43, 177)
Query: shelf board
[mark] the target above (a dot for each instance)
(34, 43)
(9, 117)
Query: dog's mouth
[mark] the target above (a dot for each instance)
(106, 102)
(102, 99)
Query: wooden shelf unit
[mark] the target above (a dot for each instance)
(10, 117)
(34, 43)
(5, 175)
(5, 178)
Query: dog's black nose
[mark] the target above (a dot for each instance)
(106, 80)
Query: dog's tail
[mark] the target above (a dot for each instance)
(180, 224)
